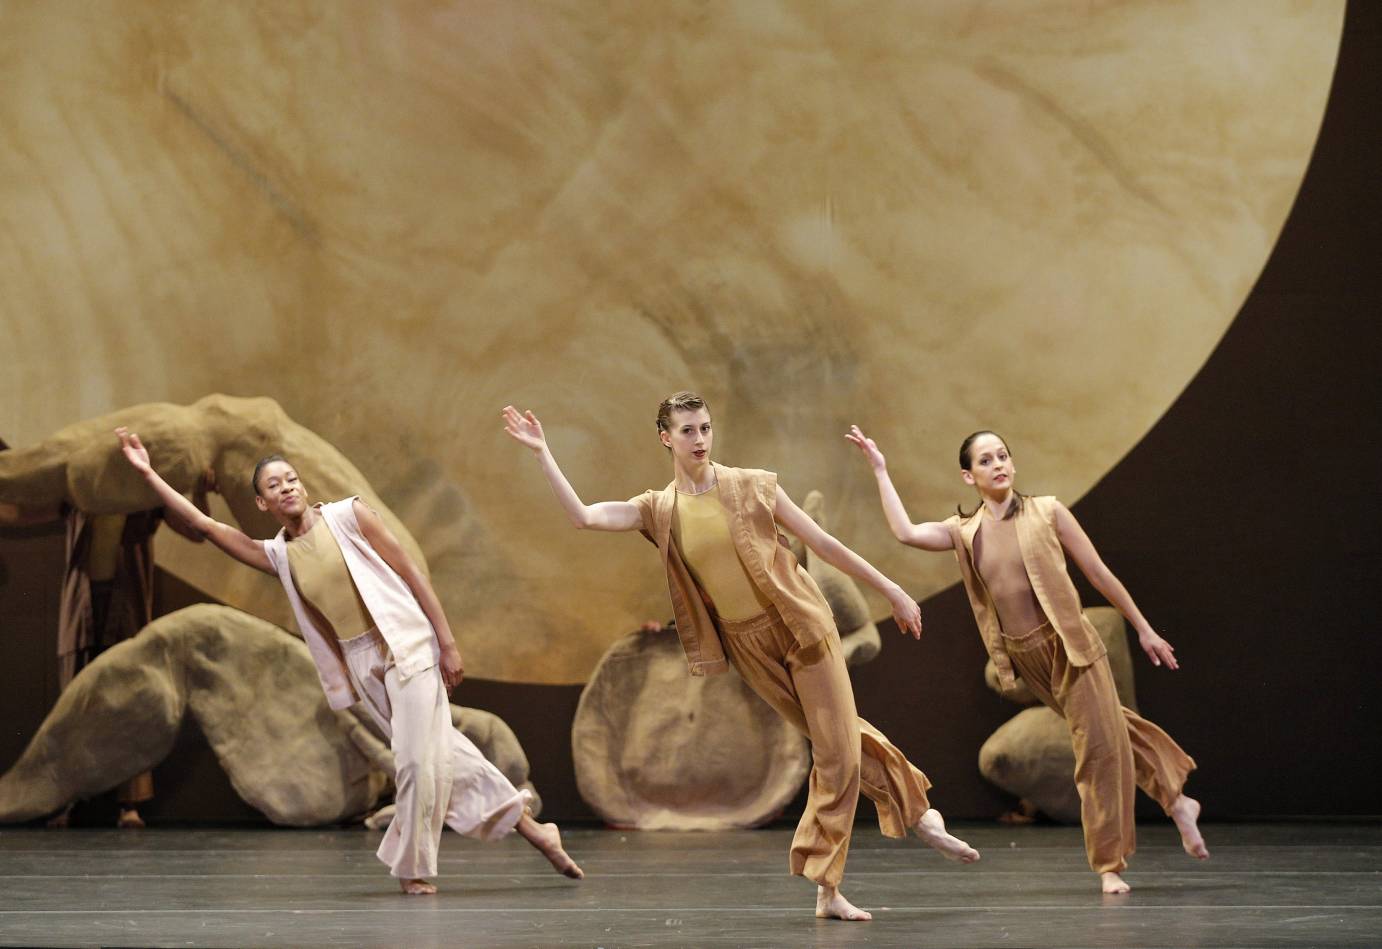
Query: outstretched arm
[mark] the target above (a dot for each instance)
(205, 485)
(836, 554)
(387, 546)
(229, 539)
(928, 536)
(525, 429)
(1081, 550)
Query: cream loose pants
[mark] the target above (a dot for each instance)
(441, 778)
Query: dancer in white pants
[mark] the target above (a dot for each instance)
(442, 779)
(378, 635)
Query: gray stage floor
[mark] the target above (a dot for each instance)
(1267, 885)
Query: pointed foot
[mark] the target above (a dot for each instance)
(931, 830)
(1186, 814)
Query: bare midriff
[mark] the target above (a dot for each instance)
(998, 557)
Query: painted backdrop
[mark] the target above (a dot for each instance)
(924, 218)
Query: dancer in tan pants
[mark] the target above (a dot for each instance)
(1116, 750)
(848, 754)
(377, 634)
(1011, 553)
(740, 597)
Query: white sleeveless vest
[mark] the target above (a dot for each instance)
(396, 612)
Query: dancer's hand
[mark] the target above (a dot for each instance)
(134, 450)
(1158, 650)
(905, 612)
(868, 448)
(452, 669)
(524, 428)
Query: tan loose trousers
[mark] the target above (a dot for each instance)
(810, 688)
(441, 777)
(1116, 750)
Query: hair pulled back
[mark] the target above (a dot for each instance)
(967, 462)
(270, 459)
(678, 402)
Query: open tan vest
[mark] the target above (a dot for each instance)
(750, 499)
(1044, 559)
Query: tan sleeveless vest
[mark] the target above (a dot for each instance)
(1044, 559)
(750, 499)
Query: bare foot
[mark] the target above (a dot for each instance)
(61, 820)
(1185, 811)
(382, 818)
(417, 887)
(931, 829)
(129, 818)
(831, 904)
(547, 839)
(1113, 884)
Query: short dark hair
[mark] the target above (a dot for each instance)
(260, 467)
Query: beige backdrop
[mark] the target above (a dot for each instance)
(923, 217)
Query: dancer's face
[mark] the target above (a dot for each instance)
(280, 491)
(689, 437)
(991, 468)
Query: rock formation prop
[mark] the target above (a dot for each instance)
(253, 691)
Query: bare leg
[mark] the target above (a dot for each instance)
(831, 904)
(931, 829)
(547, 839)
(1185, 811)
(417, 887)
(61, 820)
(1113, 884)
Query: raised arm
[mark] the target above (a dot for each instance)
(229, 539)
(525, 429)
(928, 536)
(387, 546)
(1081, 549)
(836, 554)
